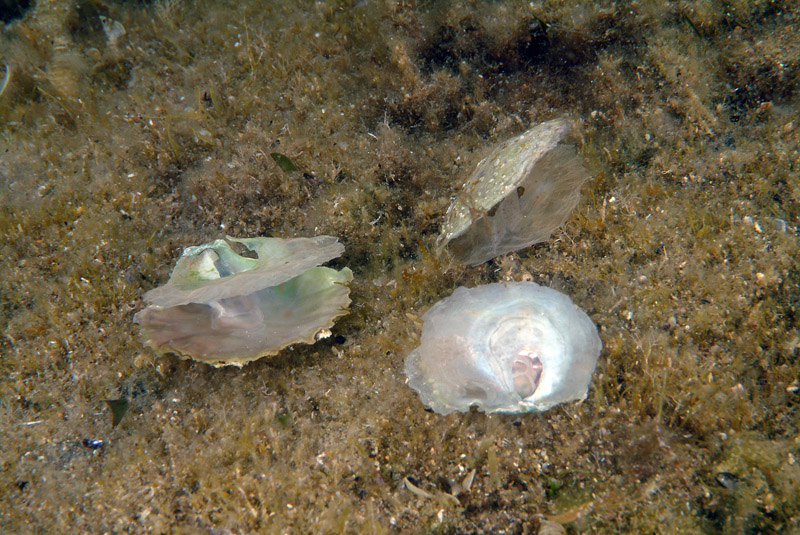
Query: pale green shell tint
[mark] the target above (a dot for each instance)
(222, 308)
(517, 196)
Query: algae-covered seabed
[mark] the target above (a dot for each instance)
(118, 150)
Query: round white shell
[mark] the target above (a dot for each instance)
(505, 347)
(517, 196)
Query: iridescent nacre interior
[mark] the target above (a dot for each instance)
(223, 308)
(504, 347)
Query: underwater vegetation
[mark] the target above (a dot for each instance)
(124, 142)
(503, 347)
(225, 309)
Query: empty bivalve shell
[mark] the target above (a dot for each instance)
(504, 347)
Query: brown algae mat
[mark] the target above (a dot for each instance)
(130, 130)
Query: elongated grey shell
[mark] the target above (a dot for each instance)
(517, 196)
(222, 308)
(505, 347)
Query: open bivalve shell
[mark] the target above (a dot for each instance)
(516, 197)
(222, 308)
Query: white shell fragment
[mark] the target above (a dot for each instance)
(222, 308)
(505, 347)
(517, 196)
